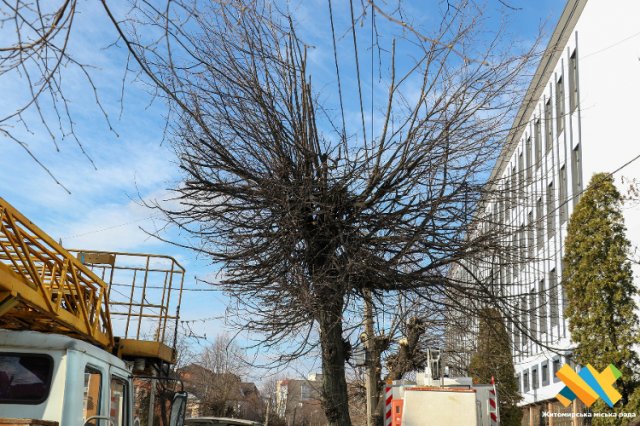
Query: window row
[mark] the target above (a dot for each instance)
(540, 312)
(539, 375)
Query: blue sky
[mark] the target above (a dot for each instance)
(103, 210)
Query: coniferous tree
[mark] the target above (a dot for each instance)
(493, 358)
(599, 285)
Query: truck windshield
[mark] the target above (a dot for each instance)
(24, 378)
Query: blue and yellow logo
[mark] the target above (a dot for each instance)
(589, 385)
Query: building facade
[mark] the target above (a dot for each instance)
(578, 118)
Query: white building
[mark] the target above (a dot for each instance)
(579, 117)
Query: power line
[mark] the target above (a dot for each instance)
(355, 47)
(335, 58)
(110, 227)
(161, 288)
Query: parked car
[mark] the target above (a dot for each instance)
(219, 421)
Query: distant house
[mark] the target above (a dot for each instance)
(299, 401)
(220, 394)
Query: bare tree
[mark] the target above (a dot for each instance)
(269, 392)
(309, 213)
(216, 377)
(306, 219)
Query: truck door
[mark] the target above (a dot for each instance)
(92, 404)
(119, 401)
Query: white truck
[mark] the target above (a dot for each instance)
(63, 380)
(448, 405)
(442, 401)
(60, 364)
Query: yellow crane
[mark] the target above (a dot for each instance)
(46, 288)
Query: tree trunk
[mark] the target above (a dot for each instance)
(334, 384)
(374, 367)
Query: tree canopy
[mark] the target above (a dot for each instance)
(493, 359)
(598, 281)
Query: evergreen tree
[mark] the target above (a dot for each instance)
(493, 358)
(599, 285)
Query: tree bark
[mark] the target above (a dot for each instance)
(336, 403)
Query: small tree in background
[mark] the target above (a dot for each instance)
(493, 358)
(599, 285)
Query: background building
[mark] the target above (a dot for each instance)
(220, 394)
(579, 117)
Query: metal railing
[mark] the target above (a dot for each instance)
(144, 292)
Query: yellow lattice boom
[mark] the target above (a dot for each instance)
(43, 287)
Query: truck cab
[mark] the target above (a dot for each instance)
(64, 380)
(62, 360)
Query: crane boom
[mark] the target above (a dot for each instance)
(43, 287)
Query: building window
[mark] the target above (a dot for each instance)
(514, 188)
(542, 303)
(530, 232)
(523, 319)
(521, 173)
(544, 371)
(573, 82)
(539, 224)
(305, 392)
(537, 134)
(551, 211)
(559, 105)
(533, 313)
(507, 201)
(564, 208)
(556, 367)
(513, 256)
(527, 148)
(553, 297)
(519, 382)
(576, 172)
(547, 126)
(525, 381)
(535, 384)
(523, 247)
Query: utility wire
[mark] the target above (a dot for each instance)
(335, 58)
(355, 47)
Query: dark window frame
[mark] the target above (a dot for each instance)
(544, 371)
(554, 306)
(48, 381)
(535, 379)
(528, 162)
(562, 189)
(555, 361)
(551, 210)
(548, 126)
(542, 301)
(537, 133)
(560, 110)
(573, 81)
